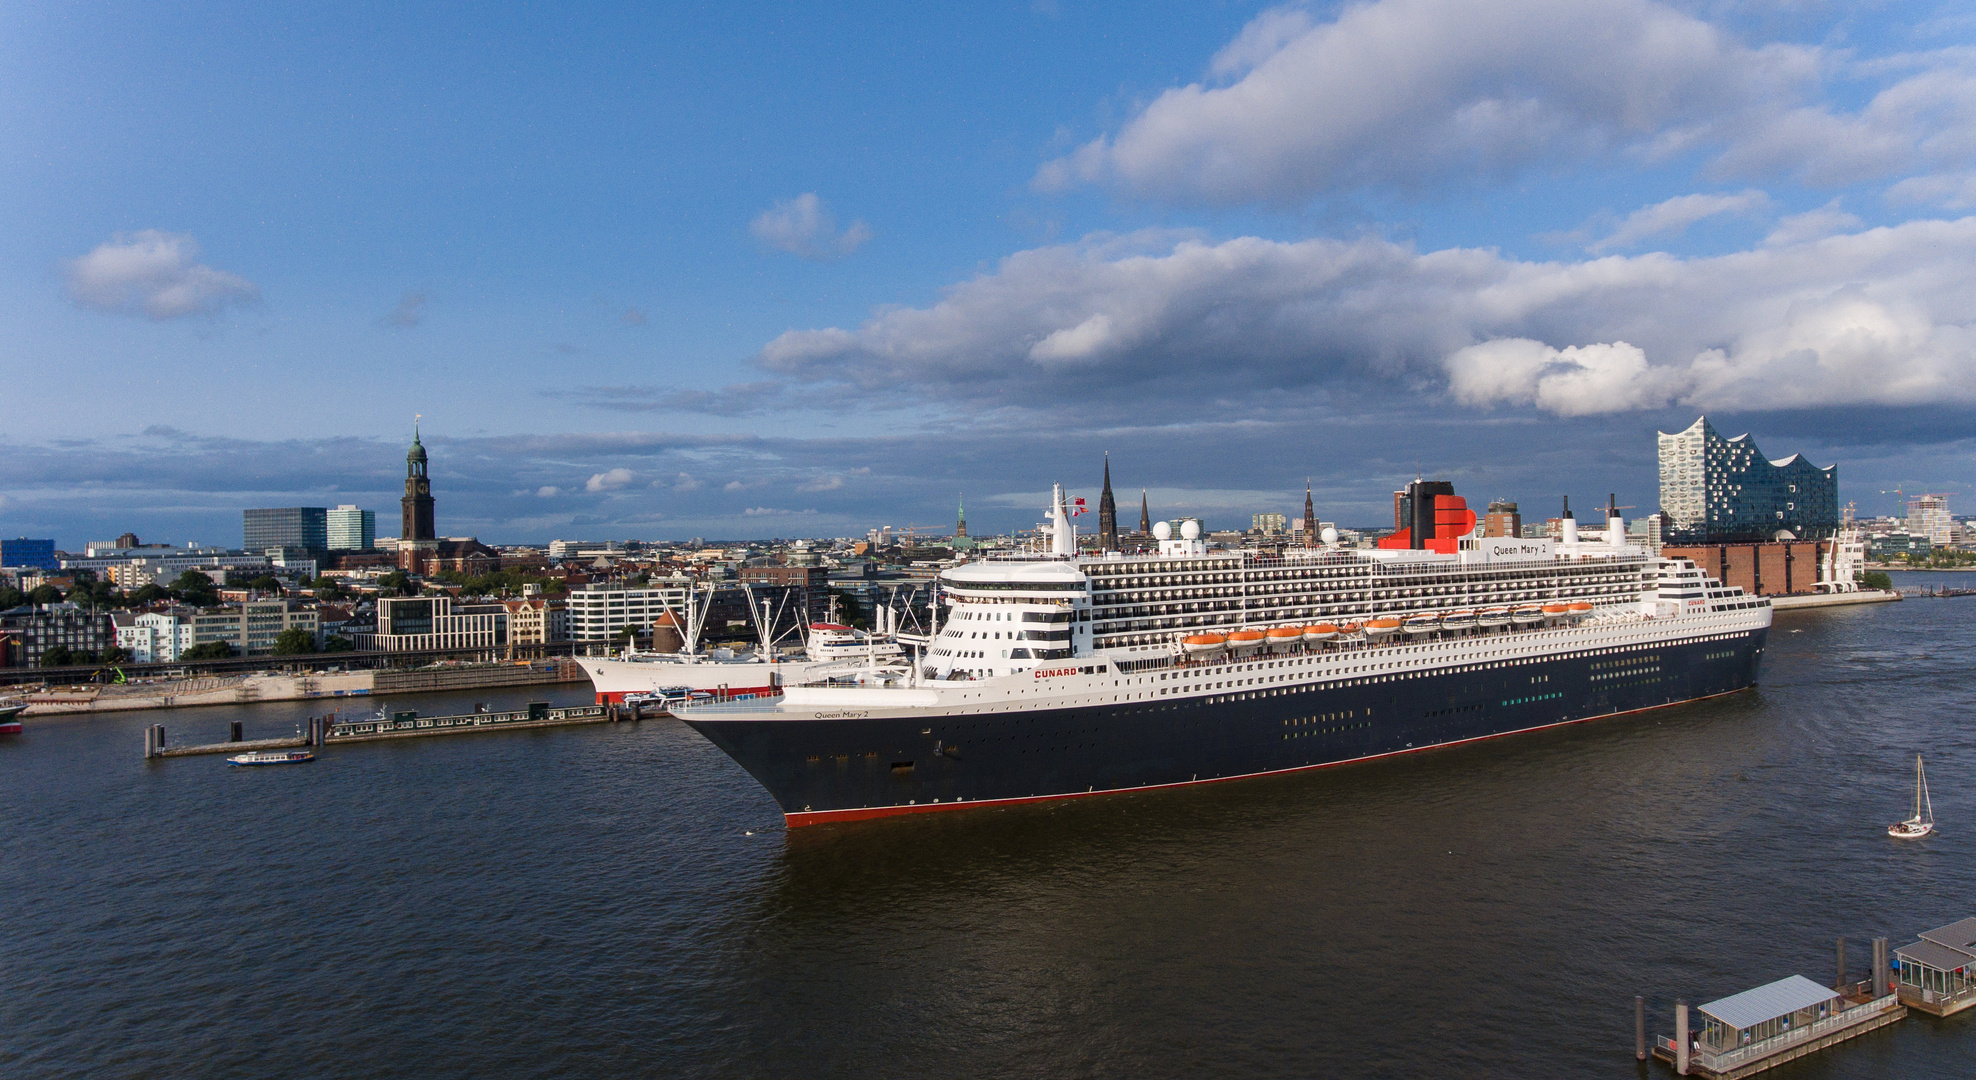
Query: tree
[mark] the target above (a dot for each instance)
(193, 581)
(396, 583)
(45, 594)
(1876, 579)
(337, 643)
(11, 597)
(294, 641)
(116, 654)
(148, 595)
(211, 650)
(59, 656)
(265, 583)
(327, 588)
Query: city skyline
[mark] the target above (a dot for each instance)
(663, 275)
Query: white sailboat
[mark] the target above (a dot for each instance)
(1923, 821)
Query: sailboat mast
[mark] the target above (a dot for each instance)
(1921, 790)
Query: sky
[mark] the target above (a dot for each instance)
(736, 271)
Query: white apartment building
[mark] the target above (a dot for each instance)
(598, 611)
(134, 568)
(413, 623)
(155, 637)
(584, 549)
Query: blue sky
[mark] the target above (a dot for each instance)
(801, 271)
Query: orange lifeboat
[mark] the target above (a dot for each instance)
(1380, 629)
(1323, 631)
(1281, 638)
(1204, 644)
(1580, 608)
(1555, 610)
(1243, 642)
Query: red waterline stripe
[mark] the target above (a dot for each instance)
(820, 817)
(616, 697)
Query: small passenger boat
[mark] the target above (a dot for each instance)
(1321, 632)
(1381, 629)
(1529, 615)
(1923, 821)
(272, 757)
(1458, 620)
(10, 716)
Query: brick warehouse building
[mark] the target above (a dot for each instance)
(1760, 569)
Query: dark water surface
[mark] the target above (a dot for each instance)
(590, 902)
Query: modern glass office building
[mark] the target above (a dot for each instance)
(288, 527)
(1717, 490)
(39, 554)
(351, 529)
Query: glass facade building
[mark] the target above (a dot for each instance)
(39, 554)
(351, 529)
(1717, 490)
(288, 527)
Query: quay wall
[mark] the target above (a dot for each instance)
(246, 689)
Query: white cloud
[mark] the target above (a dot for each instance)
(822, 483)
(770, 511)
(1415, 94)
(1675, 215)
(805, 226)
(684, 482)
(1957, 191)
(1874, 317)
(1812, 225)
(610, 480)
(152, 273)
(734, 485)
(1075, 343)
(548, 491)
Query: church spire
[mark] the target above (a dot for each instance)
(1107, 513)
(1145, 519)
(960, 523)
(1310, 517)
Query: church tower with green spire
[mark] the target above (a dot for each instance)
(960, 525)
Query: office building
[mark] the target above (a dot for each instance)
(1268, 524)
(1502, 520)
(1928, 515)
(351, 529)
(287, 527)
(38, 554)
(1717, 490)
(28, 634)
(251, 628)
(416, 623)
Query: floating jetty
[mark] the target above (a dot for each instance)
(1766, 1026)
(406, 724)
(1938, 972)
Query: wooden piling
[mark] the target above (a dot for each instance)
(1639, 1028)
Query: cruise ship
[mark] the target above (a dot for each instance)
(1065, 674)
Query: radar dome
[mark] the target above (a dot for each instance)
(1329, 535)
(1190, 530)
(1162, 530)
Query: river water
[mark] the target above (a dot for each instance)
(621, 900)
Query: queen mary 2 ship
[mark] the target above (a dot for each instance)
(1064, 674)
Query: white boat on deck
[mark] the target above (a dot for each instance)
(1923, 821)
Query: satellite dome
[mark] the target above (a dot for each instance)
(1162, 530)
(1190, 529)
(1329, 535)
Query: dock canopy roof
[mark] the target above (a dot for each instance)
(1956, 935)
(1935, 955)
(1768, 1002)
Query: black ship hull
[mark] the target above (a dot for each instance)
(840, 769)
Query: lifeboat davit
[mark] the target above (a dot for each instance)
(1422, 624)
(1323, 631)
(1492, 618)
(1283, 637)
(1204, 644)
(1379, 629)
(1458, 620)
(1527, 616)
(1244, 642)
